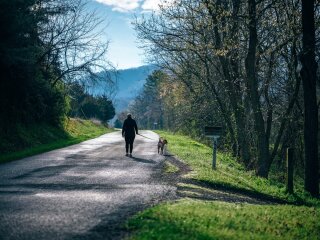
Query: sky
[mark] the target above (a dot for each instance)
(123, 48)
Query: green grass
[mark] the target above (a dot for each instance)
(24, 142)
(170, 168)
(190, 219)
(229, 173)
(200, 219)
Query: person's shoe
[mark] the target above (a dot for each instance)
(130, 155)
(127, 154)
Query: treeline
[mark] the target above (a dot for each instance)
(45, 46)
(85, 105)
(247, 65)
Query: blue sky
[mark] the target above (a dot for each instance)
(123, 49)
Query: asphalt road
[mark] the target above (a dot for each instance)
(85, 191)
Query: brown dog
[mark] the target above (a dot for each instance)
(161, 144)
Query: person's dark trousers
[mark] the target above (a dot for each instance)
(129, 144)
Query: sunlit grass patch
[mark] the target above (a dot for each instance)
(199, 219)
(170, 168)
(190, 219)
(85, 129)
(41, 138)
(229, 174)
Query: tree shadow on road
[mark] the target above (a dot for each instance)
(142, 160)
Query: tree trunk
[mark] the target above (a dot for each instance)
(235, 99)
(234, 96)
(223, 109)
(238, 110)
(250, 65)
(308, 75)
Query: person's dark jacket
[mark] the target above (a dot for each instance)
(130, 128)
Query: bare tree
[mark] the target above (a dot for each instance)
(72, 43)
(242, 54)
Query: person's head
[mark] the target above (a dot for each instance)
(129, 115)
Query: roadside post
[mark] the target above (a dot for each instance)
(214, 133)
(155, 124)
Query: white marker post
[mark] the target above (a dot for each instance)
(213, 133)
(155, 125)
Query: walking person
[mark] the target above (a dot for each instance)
(129, 131)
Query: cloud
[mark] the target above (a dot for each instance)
(130, 5)
(121, 5)
(153, 5)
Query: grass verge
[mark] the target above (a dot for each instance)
(200, 219)
(189, 219)
(230, 174)
(170, 168)
(42, 138)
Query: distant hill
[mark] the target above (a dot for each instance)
(129, 83)
(131, 80)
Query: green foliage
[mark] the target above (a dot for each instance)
(89, 106)
(118, 124)
(188, 219)
(35, 63)
(27, 96)
(21, 83)
(172, 106)
(223, 71)
(147, 107)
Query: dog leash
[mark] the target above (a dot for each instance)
(146, 137)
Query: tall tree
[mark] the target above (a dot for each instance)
(45, 44)
(309, 76)
(85, 105)
(239, 55)
(250, 65)
(148, 106)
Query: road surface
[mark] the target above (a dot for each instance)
(85, 191)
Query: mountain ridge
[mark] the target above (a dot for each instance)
(129, 82)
